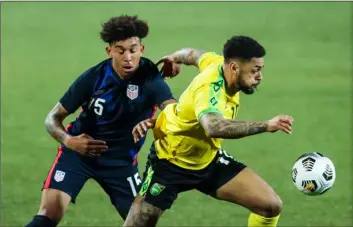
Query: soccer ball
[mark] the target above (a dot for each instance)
(313, 173)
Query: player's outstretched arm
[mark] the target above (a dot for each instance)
(140, 130)
(216, 126)
(186, 56)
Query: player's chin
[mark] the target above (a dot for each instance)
(128, 72)
(248, 90)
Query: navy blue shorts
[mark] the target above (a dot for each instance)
(71, 170)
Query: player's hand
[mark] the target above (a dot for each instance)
(86, 145)
(169, 68)
(280, 122)
(139, 131)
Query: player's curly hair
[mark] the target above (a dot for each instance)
(123, 27)
(242, 47)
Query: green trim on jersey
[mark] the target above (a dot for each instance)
(215, 93)
(215, 90)
(206, 111)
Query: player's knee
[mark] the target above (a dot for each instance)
(272, 207)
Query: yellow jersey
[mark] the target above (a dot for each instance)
(179, 137)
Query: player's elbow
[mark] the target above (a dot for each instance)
(211, 131)
(47, 120)
(51, 121)
(211, 124)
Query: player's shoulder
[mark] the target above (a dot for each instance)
(99, 67)
(96, 70)
(148, 69)
(209, 55)
(208, 58)
(210, 78)
(211, 74)
(147, 65)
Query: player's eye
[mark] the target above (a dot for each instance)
(134, 50)
(119, 50)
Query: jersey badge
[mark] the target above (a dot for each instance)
(59, 176)
(132, 91)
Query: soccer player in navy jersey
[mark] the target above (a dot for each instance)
(114, 95)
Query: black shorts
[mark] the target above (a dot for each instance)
(71, 170)
(164, 180)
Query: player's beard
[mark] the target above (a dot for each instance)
(244, 87)
(247, 90)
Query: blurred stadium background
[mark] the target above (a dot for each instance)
(45, 46)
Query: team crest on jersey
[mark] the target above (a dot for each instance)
(132, 91)
(59, 176)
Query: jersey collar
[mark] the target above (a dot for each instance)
(221, 73)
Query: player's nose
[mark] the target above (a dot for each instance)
(127, 57)
(259, 76)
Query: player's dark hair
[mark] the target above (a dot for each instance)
(242, 47)
(123, 27)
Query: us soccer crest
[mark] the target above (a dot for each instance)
(132, 91)
(59, 176)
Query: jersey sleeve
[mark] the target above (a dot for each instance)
(79, 92)
(159, 90)
(207, 59)
(207, 99)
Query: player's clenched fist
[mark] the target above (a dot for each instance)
(280, 122)
(86, 145)
(139, 131)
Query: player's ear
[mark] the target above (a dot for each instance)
(234, 67)
(108, 50)
(142, 48)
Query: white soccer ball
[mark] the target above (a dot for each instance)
(313, 173)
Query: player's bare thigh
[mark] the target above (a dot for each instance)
(251, 191)
(142, 214)
(54, 204)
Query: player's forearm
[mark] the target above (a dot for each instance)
(218, 127)
(55, 128)
(54, 123)
(237, 129)
(187, 56)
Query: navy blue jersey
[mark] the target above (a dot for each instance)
(111, 107)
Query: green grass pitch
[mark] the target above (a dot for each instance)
(45, 46)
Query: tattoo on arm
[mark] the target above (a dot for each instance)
(143, 214)
(188, 56)
(218, 127)
(54, 125)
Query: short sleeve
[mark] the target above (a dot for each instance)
(207, 99)
(207, 59)
(159, 90)
(79, 92)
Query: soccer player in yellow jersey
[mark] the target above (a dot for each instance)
(187, 152)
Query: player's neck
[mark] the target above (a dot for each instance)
(230, 86)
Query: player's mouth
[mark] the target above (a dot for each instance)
(255, 85)
(128, 69)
